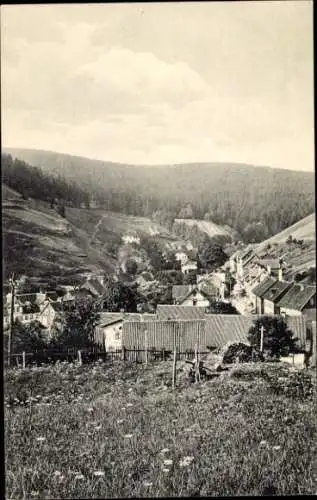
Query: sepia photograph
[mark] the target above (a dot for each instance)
(159, 250)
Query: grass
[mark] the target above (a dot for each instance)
(98, 431)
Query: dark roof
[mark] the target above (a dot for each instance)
(26, 297)
(297, 297)
(275, 292)
(166, 312)
(263, 287)
(57, 306)
(51, 295)
(273, 263)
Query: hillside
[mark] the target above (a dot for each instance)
(208, 227)
(300, 253)
(257, 202)
(37, 241)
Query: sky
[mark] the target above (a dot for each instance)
(161, 83)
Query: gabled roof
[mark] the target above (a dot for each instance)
(94, 286)
(109, 318)
(26, 298)
(262, 287)
(275, 292)
(181, 291)
(273, 263)
(168, 312)
(297, 297)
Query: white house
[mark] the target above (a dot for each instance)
(189, 267)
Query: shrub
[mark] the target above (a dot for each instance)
(278, 338)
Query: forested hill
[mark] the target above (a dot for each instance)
(257, 202)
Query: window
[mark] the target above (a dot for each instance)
(117, 335)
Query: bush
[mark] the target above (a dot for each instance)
(277, 340)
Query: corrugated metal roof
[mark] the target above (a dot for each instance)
(276, 291)
(223, 328)
(297, 297)
(262, 287)
(169, 312)
(180, 291)
(273, 263)
(108, 318)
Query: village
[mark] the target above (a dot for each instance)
(250, 286)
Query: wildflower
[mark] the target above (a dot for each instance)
(123, 408)
(130, 389)
(168, 462)
(119, 421)
(129, 405)
(165, 470)
(186, 461)
(79, 476)
(98, 427)
(165, 450)
(57, 473)
(99, 473)
(90, 410)
(276, 447)
(128, 436)
(147, 484)
(263, 443)
(41, 439)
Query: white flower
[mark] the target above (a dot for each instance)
(99, 473)
(165, 450)
(147, 484)
(168, 462)
(129, 405)
(119, 421)
(276, 447)
(165, 470)
(97, 428)
(57, 473)
(263, 443)
(79, 476)
(186, 461)
(128, 436)
(41, 439)
(123, 408)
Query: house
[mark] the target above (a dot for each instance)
(188, 295)
(298, 299)
(272, 295)
(240, 259)
(108, 332)
(181, 257)
(189, 267)
(259, 292)
(92, 287)
(51, 314)
(131, 237)
(179, 312)
(272, 266)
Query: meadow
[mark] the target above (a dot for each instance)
(100, 431)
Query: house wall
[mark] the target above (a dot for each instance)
(112, 335)
(47, 316)
(187, 268)
(268, 307)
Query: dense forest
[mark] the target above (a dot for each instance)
(257, 202)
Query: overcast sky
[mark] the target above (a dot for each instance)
(161, 83)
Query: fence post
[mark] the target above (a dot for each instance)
(123, 358)
(146, 346)
(79, 357)
(23, 359)
(174, 369)
(261, 339)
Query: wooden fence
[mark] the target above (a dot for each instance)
(84, 356)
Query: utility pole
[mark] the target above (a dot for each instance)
(12, 283)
